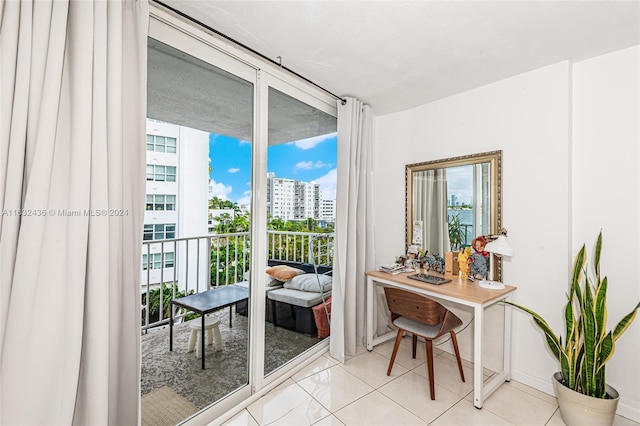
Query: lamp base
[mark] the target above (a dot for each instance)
(491, 285)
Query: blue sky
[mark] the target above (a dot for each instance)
(308, 160)
(460, 183)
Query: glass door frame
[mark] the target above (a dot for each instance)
(268, 80)
(177, 32)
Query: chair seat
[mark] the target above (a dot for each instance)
(422, 329)
(421, 316)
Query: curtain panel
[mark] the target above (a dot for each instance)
(430, 204)
(354, 226)
(72, 177)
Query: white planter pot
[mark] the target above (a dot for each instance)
(578, 409)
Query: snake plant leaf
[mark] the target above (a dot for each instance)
(596, 256)
(606, 350)
(552, 340)
(590, 339)
(600, 307)
(625, 323)
(578, 266)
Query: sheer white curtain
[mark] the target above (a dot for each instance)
(354, 226)
(72, 176)
(430, 204)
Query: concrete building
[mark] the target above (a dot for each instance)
(291, 199)
(176, 202)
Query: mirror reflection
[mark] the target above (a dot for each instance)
(452, 201)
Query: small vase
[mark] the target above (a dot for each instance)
(578, 409)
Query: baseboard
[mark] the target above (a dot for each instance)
(543, 385)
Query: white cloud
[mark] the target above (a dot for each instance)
(310, 165)
(245, 199)
(219, 190)
(233, 170)
(328, 184)
(312, 142)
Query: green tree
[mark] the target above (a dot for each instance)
(216, 203)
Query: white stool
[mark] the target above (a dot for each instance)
(211, 326)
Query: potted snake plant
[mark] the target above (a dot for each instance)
(580, 386)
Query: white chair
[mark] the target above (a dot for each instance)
(211, 326)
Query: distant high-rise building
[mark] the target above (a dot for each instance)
(454, 199)
(291, 199)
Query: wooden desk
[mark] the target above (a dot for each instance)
(457, 291)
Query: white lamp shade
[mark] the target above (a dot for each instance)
(499, 246)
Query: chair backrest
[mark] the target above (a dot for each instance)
(413, 305)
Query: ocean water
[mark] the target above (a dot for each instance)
(465, 216)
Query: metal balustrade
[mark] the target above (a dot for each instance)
(200, 263)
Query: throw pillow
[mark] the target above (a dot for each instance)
(309, 282)
(273, 282)
(283, 272)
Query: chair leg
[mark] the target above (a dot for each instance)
(454, 339)
(192, 341)
(395, 351)
(432, 387)
(217, 337)
(415, 345)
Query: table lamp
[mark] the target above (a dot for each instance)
(500, 247)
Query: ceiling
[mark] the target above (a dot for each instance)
(395, 55)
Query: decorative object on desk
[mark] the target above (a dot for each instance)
(500, 247)
(451, 263)
(417, 232)
(463, 257)
(479, 258)
(583, 395)
(434, 263)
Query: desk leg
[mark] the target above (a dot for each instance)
(231, 315)
(170, 328)
(506, 357)
(202, 339)
(477, 356)
(370, 289)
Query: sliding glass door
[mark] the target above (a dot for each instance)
(241, 168)
(301, 188)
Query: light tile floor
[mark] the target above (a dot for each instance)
(326, 393)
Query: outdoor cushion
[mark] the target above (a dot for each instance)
(283, 272)
(309, 282)
(305, 299)
(245, 284)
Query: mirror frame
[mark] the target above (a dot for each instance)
(492, 157)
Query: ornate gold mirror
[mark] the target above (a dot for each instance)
(460, 193)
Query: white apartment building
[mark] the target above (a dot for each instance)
(291, 199)
(328, 211)
(176, 206)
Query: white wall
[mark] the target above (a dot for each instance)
(528, 117)
(606, 188)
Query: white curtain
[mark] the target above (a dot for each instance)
(354, 226)
(72, 177)
(430, 206)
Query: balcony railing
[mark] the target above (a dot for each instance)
(200, 263)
